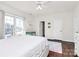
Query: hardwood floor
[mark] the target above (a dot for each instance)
(67, 49)
(54, 54)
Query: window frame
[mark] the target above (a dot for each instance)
(14, 20)
(21, 19)
(10, 24)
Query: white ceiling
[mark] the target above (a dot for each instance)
(48, 7)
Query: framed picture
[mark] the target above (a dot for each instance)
(49, 23)
(49, 26)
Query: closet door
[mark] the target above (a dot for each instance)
(57, 29)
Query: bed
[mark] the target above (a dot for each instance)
(24, 46)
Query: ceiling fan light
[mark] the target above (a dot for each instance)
(39, 7)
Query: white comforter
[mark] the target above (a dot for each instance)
(19, 46)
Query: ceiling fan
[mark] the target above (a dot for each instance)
(40, 4)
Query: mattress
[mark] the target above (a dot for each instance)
(22, 46)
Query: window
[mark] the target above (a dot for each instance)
(19, 26)
(13, 26)
(9, 24)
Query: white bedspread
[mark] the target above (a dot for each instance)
(19, 46)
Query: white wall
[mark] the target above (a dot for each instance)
(29, 23)
(61, 31)
(68, 27)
